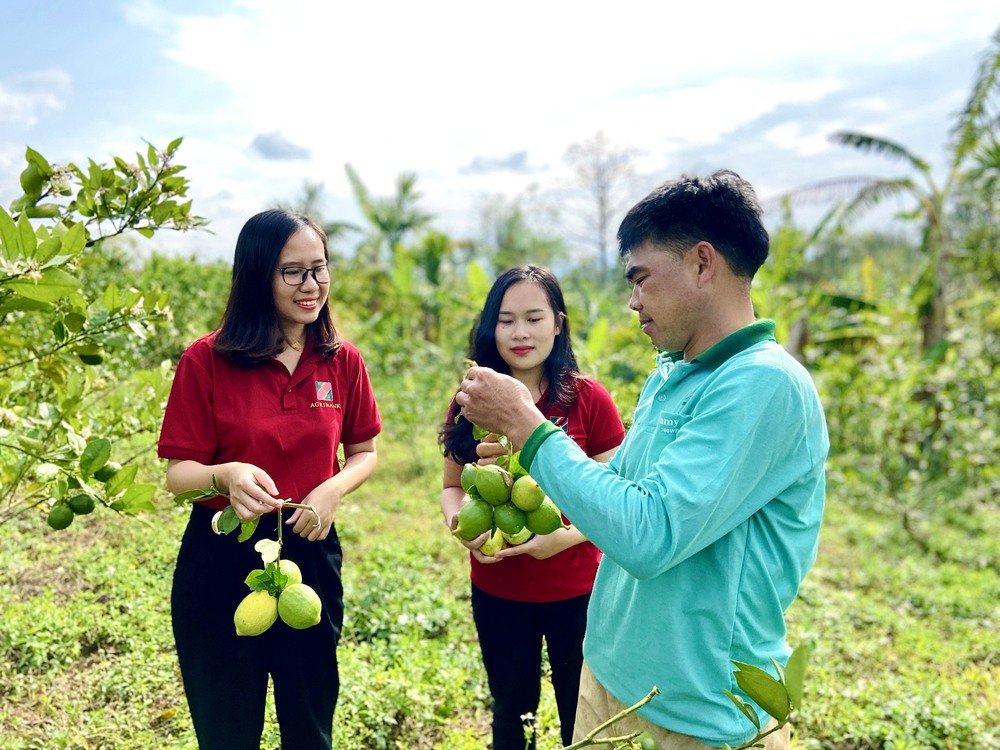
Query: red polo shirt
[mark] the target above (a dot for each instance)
(594, 424)
(290, 425)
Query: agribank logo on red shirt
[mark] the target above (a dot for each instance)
(324, 396)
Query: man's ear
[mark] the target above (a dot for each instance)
(708, 260)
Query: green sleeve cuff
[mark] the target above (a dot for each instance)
(541, 433)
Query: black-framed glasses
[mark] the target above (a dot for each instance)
(297, 275)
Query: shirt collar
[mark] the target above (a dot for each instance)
(734, 343)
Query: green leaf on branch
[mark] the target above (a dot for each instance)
(768, 692)
(43, 211)
(270, 579)
(27, 234)
(121, 480)
(228, 520)
(112, 298)
(795, 673)
(137, 499)
(53, 286)
(247, 528)
(40, 163)
(193, 495)
(75, 239)
(745, 707)
(95, 455)
(9, 237)
(31, 182)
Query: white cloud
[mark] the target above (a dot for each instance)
(434, 87)
(24, 98)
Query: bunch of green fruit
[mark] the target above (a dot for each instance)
(61, 514)
(277, 591)
(509, 505)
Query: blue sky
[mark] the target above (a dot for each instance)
(478, 99)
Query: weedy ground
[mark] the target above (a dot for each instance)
(906, 653)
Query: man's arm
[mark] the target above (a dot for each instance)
(721, 468)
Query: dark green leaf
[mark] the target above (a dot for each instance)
(247, 528)
(40, 162)
(228, 521)
(257, 579)
(768, 693)
(95, 455)
(44, 211)
(31, 182)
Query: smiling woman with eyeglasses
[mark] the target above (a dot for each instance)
(259, 409)
(297, 275)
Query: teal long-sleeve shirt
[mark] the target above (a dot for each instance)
(708, 517)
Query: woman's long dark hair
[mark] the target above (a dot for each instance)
(560, 369)
(250, 332)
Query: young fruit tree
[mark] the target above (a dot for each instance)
(63, 347)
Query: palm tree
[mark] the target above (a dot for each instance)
(974, 155)
(391, 219)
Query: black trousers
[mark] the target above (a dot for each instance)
(510, 636)
(225, 675)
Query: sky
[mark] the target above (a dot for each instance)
(479, 100)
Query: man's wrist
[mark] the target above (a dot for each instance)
(523, 422)
(539, 435)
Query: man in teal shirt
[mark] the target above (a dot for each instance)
(709, 514)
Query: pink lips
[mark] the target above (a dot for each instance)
(521, 349)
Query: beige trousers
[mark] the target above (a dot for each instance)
(596, 705)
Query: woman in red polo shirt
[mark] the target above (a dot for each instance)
(262, 405)
(541, 588)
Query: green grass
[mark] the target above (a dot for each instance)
(906, 653)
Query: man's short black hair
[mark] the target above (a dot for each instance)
(721, 209)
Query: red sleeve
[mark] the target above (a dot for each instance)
(188, 430)
(362, 420)
(600, 414)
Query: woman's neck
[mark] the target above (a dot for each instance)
(295, 338)
(535, 381)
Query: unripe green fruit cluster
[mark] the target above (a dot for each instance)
(511, 508)
(61, 514)
(297, 604)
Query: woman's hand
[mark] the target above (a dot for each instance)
(489, 450)
(360, 460)
(543, 546)
(304, 522)
(250, 490)
(474, 544)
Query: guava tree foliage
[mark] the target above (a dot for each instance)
(63, 409)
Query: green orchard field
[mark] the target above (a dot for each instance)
(906, 653)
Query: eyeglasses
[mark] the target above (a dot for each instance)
(297, 275)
